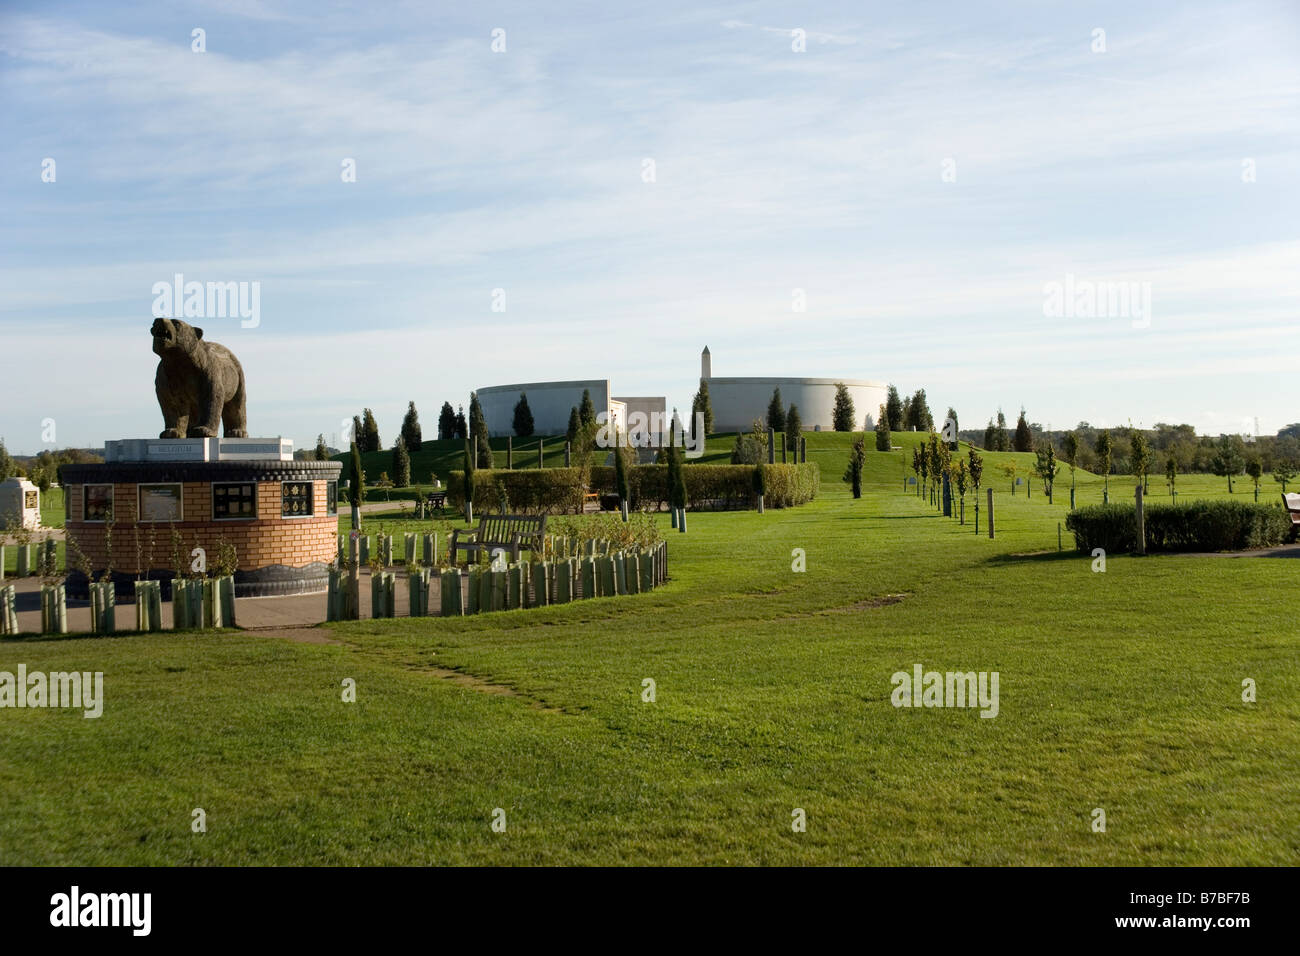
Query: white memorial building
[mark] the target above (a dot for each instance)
(736, 403)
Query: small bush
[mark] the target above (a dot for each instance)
(1186, 526)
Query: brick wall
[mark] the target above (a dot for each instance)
(262, 542)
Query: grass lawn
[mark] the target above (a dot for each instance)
(1119, 690)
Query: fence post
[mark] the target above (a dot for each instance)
(451, 602)
(541, 582)
(771, 446)
(8, 616)
(540, 451)
(564, 581)
(510, 453)
(990, 512)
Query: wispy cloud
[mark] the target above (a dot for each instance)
(826, 170)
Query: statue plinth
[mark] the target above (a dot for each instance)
(199, 449)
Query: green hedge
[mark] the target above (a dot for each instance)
(1190, 526)
(529, 490)
(558, 490)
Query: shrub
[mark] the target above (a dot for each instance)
(529, 491)
(1186, 526)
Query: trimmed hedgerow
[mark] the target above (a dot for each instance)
(529, 491)
(1189, 526)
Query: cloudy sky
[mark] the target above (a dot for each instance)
(645, 179)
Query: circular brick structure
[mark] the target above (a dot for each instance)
(281, 518)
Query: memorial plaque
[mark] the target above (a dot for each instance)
(32, 500)
(160, 502)
(234, 499)
(295, 499)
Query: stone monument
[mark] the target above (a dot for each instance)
(189, 497)
(20, 502)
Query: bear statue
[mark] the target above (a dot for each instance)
(200, 384)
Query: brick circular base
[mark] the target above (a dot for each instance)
(278, 516)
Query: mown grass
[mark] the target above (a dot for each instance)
(1120, 690)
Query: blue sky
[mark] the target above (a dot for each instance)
(775, 170)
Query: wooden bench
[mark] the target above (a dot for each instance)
(1291, 501)
(507, 532)
(436, 499)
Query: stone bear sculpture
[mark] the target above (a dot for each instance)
(200, 384)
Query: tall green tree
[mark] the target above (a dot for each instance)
(677, 489)
(401, 464)
(469, 469)
(793, 428)
(412, 436)
(358, 432)
(894, 409)
(990, 437)
(587, 408)
(523, 418)
(1171, 474)
(1002, 439)
(447, 421)
(853, 473)
(478, 433)
(356, 485)
(776, 412)
(462, 426)
(918, 413)
(322, 452)
(882, 430)
(370, 431)
(1024, 440)
(703, 405)
(575, 426)
(842, 414)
